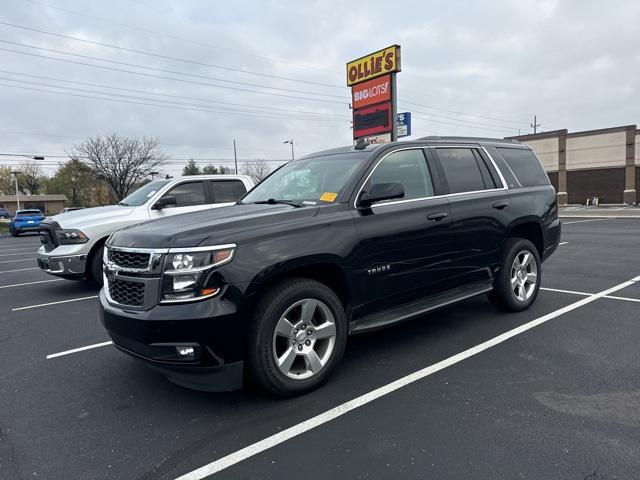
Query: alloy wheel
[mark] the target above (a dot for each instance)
(304, 339)
(524, 275)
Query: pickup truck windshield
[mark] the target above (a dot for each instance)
(310, 180)
(143, 194)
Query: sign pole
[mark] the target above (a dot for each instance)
(394, 109)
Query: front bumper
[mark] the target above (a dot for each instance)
(213, 327)
(65, 266)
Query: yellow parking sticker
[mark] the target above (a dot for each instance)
(328, 196)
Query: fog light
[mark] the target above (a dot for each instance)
(186, 351)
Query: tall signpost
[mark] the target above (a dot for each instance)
(372, 79)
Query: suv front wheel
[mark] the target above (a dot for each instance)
(298, 336)
(518, 280)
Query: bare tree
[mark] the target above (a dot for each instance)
(256, 169)
(32, 177)
(120, 162)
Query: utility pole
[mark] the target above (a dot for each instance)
(15, 178)
(291, 142)
(535, 124)
(235, 155)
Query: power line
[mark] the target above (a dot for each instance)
(174, 37)
(470, 122)
(501, 130)
(167, 57)
(182, 80)
(170, 106)
(464, 113)
(168, 95)
(109, 94)
(163, 70)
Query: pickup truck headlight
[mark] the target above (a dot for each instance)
(186, 271)
(71, 236)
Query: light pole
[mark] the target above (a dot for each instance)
(153, 175)
(291, 142)
(235, 155)
(15, 178)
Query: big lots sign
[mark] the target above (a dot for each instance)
(371, 91)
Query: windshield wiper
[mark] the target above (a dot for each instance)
(273, 201)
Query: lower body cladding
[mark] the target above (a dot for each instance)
(199, 345)
(69, 266)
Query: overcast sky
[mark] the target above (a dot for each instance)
(468, 68)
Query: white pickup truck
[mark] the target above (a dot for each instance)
(72, 243)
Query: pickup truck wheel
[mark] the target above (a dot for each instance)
(518, 279)
(95, 266)
(298, 337)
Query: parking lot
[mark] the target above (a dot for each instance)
(465, 392)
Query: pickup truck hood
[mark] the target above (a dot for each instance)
(211, 227)
(91, 216)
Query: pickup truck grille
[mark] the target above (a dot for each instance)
(126, 293)
(135, 260)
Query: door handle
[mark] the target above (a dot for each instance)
(436, 217)
(500, 205)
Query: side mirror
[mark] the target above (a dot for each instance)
(164, 202)
(379, 192)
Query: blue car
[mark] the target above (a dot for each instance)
(25, 221)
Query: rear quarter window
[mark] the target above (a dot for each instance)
(525, 166)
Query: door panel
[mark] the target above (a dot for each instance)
(403, 244)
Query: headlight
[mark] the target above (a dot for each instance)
(186, 271)
(72, 236)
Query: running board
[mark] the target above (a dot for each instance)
(413, 309)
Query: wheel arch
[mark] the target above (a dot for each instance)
(98, 243)
(530, 229)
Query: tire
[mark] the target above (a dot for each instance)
(13, 233)
(296, 375)
(95, 266)
(517, 269)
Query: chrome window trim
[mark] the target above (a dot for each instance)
(399, 202)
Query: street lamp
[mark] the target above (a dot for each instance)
(15, 178)
(153, 175)
(291, 142)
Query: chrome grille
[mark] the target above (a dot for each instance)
(134, 260)
(125, 292)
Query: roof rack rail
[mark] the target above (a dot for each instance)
(473, 139)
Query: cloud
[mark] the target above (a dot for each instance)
(573, 63)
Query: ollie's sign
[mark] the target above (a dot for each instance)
(372, 91)
(374, 65)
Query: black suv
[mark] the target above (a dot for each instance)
(338, 242)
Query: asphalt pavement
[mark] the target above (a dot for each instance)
(553, 392)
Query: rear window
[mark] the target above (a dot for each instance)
(28, 213)
(525, 166)
(227, 190)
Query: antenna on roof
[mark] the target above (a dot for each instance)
(361, 144)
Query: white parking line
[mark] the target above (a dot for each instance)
(563, 243)
(19, 270)
(291, 432)
(17, 249)
(32, 283)
(22, 245)
(16, 254)
(30, 259)
(626, 299)
(53, 303)
(582, 221)
(80, 349)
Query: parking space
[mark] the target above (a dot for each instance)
(551, 392)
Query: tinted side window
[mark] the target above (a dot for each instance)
(525, 166)
(408, 167)
(461, 170)
(188, 194)
(227, 190)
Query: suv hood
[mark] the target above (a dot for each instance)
(209, 227)
(90, 216)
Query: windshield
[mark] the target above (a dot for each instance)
(144, 193)
(28, 213)
(308, 180)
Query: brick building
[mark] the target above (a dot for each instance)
(604, 163)
(47, 204)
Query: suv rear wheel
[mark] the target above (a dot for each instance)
(518, 279)
(298, 337)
